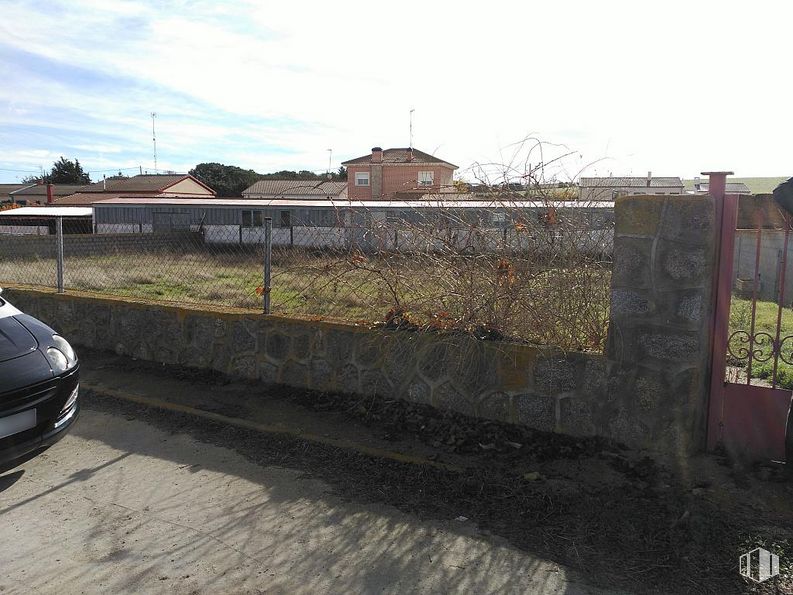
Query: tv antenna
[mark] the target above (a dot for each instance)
(154, 140)
(411, 127)
(330, 160)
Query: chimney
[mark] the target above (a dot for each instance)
(410, 154)
(104, 183)
(649, 178)
(377, 155)
(49, 193)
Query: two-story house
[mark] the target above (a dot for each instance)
(385, 173)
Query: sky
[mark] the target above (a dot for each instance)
(585, 87)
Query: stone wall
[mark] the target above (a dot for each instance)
(503, 381)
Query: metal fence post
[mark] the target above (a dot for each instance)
(59, 252)
(268, 255)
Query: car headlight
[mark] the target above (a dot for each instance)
(63, 346)
(58, 361)
(61, 355)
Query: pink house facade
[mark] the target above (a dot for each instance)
(385, 173)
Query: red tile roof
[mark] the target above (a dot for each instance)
(400, 155)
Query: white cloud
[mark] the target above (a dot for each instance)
(672, 88)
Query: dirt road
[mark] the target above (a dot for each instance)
(184, 482)
(120, 506)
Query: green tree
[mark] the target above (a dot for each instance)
(64, 171)
(230, 180)
(225, 180)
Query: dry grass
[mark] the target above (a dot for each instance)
(495, 295)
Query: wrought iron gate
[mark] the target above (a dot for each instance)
(752, 357)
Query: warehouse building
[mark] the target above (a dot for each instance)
(323, 223)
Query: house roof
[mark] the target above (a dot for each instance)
(140, 183)
(87, 198)
(400, 155)
(296, 188)
(631, 182)
(41, 190)
(731, 187)
(6, 189)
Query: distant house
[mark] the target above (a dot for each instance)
(7, 189)
(145, 185)
(384, 173)
(297, 190)
(600, 189)
(37, 193)
(701, 186)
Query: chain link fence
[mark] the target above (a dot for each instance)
(537, 272)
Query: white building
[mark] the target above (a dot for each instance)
(600, 189)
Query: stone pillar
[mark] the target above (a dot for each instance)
(376, 180)
(658, 349)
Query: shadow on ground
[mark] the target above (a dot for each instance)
(619, 522)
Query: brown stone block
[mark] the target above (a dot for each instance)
(632, 263)
(515, 365)
(496, 406)
(680, 266)
(576, 416)
(536, 411)
(448, 396)
(637, 215)
(689, 219)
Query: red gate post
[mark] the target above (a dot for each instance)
(727, 216)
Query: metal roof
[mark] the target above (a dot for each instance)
(296, 188)
(48, 212)
(631, 182)
(366, 204)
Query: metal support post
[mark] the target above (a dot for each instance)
(59, 252)
(268, 256)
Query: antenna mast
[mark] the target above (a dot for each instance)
(411, 128)
(330, 160)
(154, 140)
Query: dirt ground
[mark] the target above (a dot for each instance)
(610, 517)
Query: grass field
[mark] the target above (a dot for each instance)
(566, 307)
(755, 185)
(765, 322)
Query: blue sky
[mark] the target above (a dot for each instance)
(611, 85)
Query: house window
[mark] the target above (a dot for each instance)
(362, 178)
(286, 218)
(252, 219)
(426, 178)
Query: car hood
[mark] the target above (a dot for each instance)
(24, 371)
(15, 339)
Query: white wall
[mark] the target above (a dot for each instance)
(36, 230)
(188, 186)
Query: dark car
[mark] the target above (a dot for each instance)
(39, 375)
